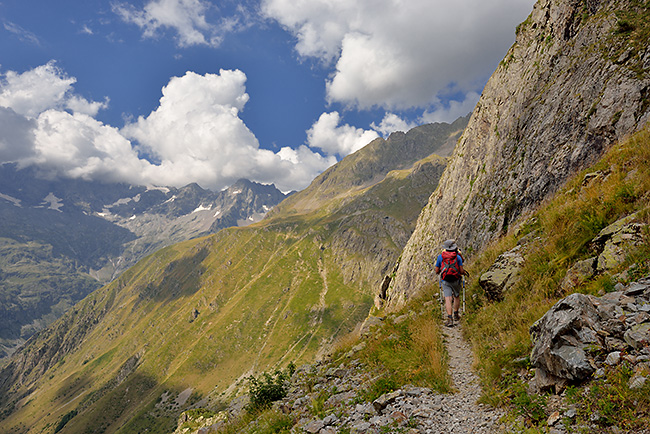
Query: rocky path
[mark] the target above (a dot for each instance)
(408, 410)
(412, 410)
(464, 414)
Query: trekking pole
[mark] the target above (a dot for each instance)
(442, 299)
(463, 296)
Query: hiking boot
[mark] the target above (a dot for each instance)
(450, 322)
(456, 316)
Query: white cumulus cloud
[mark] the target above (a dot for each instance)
(392, 123)
(335, 139)
(395, 54)
(195, 135)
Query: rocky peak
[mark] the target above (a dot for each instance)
(574, 82)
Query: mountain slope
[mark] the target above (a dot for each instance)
(186, 322)
(61, 238)
(362, 169)
(576, 80)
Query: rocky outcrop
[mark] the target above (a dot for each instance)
(573, 83)
(503, 274)
(581, 334)
(616, 241)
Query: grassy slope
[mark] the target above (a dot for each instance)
(200, 314)
(566, 225)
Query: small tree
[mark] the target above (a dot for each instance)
(268, 388)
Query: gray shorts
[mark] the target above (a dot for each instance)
(449, 288)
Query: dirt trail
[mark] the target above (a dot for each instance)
(464, 414)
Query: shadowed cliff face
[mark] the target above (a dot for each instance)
(576, 80)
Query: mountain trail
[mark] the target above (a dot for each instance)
(464, 413)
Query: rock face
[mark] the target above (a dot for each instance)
(582, 332)
(572, 84)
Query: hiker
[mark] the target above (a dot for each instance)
(449, 265)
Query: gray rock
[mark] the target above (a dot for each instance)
(364, 409)
(330, 420)
(551, 335)
(369, 324)
(638, 336)
(502, 275)
(616, 241)
(579, 273)
(637, 382)
(636, 289)
(361, 427)
(613, 358)
(384, 400)
(314, 426)
(571, 413)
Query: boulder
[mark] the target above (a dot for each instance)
(581, 332)
(369, 324)
(557, 348)
(616, 241)
(502, 275)
(638, 336)
(579, 273)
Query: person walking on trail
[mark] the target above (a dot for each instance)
(449, 265)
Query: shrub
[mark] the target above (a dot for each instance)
(65, 419)
(268, 388)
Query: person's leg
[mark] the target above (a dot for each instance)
(448, 304)
(448, 292)
(457, 286)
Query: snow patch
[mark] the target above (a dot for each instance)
(137, 198)
(13, 200)
(235, 192)
(132, 217)
(202, 208)
(171, 199)
(216, 214)
(53, 201)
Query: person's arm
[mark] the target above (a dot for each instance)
(436, 268)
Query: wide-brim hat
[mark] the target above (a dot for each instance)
(450, 245)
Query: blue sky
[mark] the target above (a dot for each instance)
(168, 92)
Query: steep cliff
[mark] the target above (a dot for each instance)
(576, 80)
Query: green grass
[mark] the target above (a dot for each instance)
(411, 352)
(565, 226)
